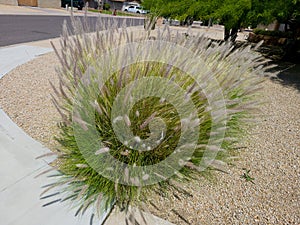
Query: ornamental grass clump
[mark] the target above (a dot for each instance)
(144, 110)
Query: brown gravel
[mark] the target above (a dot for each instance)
(272, 153)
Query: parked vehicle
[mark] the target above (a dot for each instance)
(94, 4)
(136, 9)
(76, 3)
(197, 23)
(126, 5)
(171, 22)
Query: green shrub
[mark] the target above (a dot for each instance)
(106, 6)
(164, 106)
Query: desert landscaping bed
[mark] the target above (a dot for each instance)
(271, 153)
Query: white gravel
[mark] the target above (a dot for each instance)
(272, 153)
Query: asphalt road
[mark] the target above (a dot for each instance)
(16, 29)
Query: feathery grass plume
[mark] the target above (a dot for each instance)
(144, 110)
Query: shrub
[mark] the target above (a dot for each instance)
(106, 6)
(142, 110)
(274, 33)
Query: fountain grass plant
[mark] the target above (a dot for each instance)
(148, 72)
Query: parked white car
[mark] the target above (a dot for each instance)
(136, 9)
(197, 23)
(126, 5)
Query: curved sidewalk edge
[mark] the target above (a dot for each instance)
(19, 188)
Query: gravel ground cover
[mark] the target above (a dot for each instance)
(271, 153)
(25, 95)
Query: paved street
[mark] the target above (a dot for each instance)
(26, 28)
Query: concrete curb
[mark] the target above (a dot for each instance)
(10, 60)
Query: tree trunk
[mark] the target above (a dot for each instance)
(230, 34)
(209, 22)
(226, 33)
(149, 22)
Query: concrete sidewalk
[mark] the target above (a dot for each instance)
(19, 189)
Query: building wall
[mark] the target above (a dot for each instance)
(28, 2)
(92, 3)
(9, 2)
(272, 26)
(39, 3)
(115, 4)
(49, 3)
